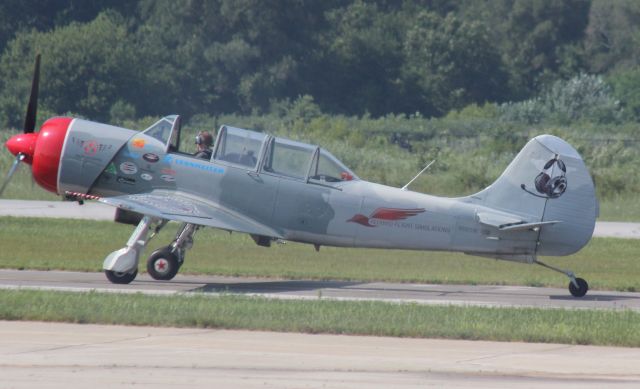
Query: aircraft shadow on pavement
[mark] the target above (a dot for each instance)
(272, 286)
(309, 285)
(595, 297)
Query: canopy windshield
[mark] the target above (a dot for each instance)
(302, 161)
(289, 158)
(239, 146)
(328, 168)
(166, 130)
(257, 151)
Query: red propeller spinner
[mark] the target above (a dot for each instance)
(40, 150)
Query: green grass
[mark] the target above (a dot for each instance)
(616, 328)
(30, 243)
(622, 208)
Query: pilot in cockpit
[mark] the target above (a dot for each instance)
(248, 158)
(204, 142)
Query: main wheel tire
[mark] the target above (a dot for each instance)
(581, 290)
(119, 277)
(163, 265)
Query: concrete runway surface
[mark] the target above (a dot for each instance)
(98, 211)
(474, 295)
(54, 355)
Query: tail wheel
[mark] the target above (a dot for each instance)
(580, 290)
(163, 265)
(117, 277)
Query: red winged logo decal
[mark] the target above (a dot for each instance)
(385, 214)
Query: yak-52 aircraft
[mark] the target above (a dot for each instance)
(273, 188)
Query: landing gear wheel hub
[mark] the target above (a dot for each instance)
(163, 264)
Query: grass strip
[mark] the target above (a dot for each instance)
(596, 327)
(82, 245)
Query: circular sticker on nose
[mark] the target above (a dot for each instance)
(150, 157)
(146, 177)
(128, 168)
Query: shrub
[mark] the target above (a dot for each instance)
(582, 98)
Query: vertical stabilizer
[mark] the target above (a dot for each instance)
(547, 181)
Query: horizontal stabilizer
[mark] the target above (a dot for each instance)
(527, 226)
(498, 219)
(508, 222)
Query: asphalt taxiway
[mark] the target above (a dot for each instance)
(470, 295)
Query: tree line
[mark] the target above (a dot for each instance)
(117, 60)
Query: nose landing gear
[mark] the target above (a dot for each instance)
(121, 266)
(117, 277)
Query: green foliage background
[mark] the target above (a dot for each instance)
(150, 57)
(387, 86)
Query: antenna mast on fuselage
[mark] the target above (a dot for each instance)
(418, 175)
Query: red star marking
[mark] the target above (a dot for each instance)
(91, 148)
(161, 265)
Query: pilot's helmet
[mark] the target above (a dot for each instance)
(204, 138)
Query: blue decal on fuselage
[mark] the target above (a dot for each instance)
(128, 154)
(200, 166)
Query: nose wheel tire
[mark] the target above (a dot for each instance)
(120, 277)
(580, 290)
(163, 265)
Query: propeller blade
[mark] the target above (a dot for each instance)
(12, 170)
(32, 108)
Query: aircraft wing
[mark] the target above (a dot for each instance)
(183, 207)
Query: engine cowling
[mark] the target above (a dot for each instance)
(88, 150)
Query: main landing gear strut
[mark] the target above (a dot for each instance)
(121, 266)
(577, 287)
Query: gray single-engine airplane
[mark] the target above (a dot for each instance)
(277, 189)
